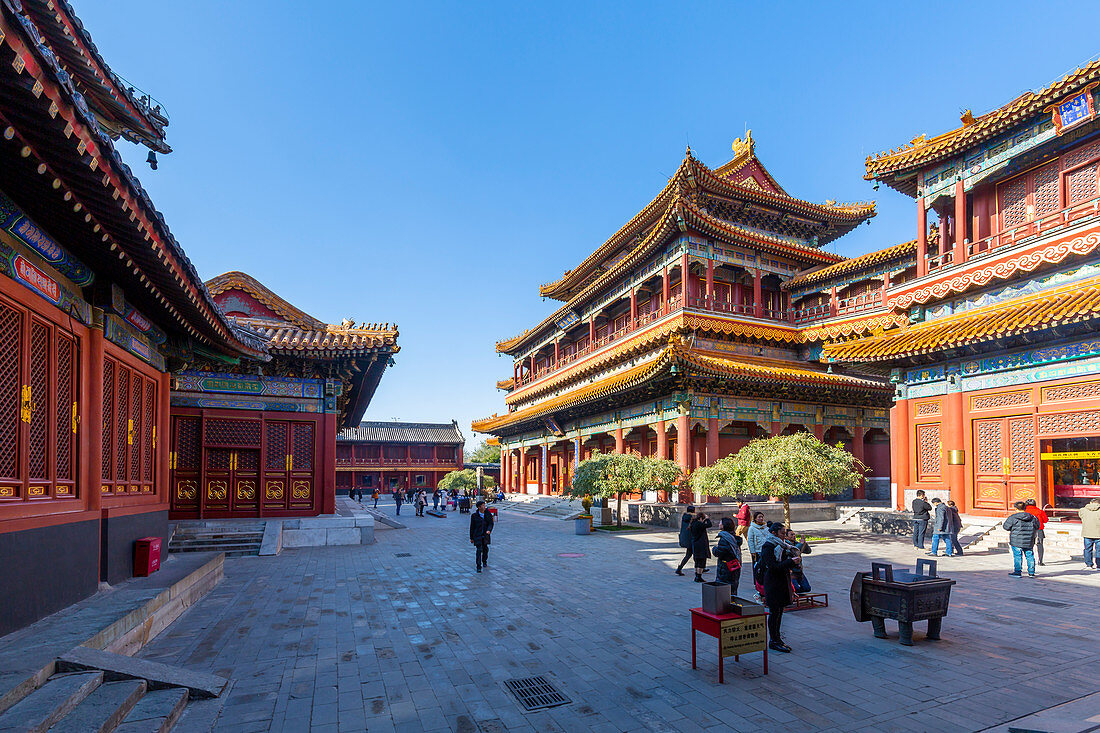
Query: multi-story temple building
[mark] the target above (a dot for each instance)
(258, 438)
(681, 336)
(995, 357)
(396, 456)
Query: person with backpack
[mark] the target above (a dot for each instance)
(728, 554)
(700, 544)
(685, 537)
(375, 495)
(775, 565)
(1022, 528)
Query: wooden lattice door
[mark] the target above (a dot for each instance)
(1004, 463)
(231, 464)
(39, 374)
(290, 460)
(186, 463)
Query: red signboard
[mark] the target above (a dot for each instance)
(36, 279)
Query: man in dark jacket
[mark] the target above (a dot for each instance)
(941, 527)
(775, 569)
(1022, 529)
(955, 522)
(685, 537)
(481, 524)
(921, 509)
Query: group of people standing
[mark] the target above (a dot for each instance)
(776, 554)
(946, 524)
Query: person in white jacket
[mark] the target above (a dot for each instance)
(758, 534)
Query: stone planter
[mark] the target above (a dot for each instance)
(601, 515)
(582, 524)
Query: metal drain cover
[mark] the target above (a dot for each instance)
(403, 554)
(1041, 602)
(535, 693)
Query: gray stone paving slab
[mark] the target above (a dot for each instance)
(359, 636)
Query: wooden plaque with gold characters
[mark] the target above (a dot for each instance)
(743, 635)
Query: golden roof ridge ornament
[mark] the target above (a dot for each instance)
(746, 146)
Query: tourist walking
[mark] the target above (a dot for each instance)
(757, 536)
(375, 495)
(941, 528)
(481, 525)
(955, 522)
(685, 537)
(728, 554)
(1090, 532)
(921, 509)
(1022, 528)
(435, 499)
(743, 520)
(1034, 510)
(800, 547)
(398, 499)
(776, 563)
(421, 502)
(700, 544)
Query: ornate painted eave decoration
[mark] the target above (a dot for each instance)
(1076, 303)
(975, 130)
(236, 280)
(56, 131)
(679, 360)
(897, 252)
(982, 272)
(693, 175)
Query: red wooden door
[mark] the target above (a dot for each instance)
(1004, 467)
(39, 374)
(185, 462)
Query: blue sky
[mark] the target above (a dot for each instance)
(431, 164)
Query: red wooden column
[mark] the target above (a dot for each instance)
(899, 450)
(662, 439)
(683, 448)
(757, 294)
(960, 232)
(922, 238)
(664, 287)
(591, 331)
(710, 283)
(90, 429)
(522, 469)
(619, 440)
(712, 450)
(532, 368)
(544, 470)
(515, 375)
(328, 463)
(860, 492)
(885, 286)
(633, 306)
(954, 438)
(738, 295)
(834, 302)
(163, 442)
(557, 351)
(685, 279)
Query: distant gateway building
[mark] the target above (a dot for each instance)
(393, 456)
(679, 336)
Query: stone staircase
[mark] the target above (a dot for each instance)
(99, 691)
(555, 507)
(1062, 541)
(235, 539)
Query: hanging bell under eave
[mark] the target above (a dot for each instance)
(151, 159)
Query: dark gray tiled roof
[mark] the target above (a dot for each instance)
(403, 432)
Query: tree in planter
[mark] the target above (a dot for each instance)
(466, 479)
(610, 475)
(785, 466)
(717, 479)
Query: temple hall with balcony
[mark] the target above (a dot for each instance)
(396, 456)
(678, 337)
(990, 333)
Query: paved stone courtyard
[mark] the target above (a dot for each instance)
(404, 635)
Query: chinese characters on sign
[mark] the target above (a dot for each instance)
(1074, 110)
(743, 635)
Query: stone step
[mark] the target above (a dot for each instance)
(156, 712)
(200, 715)
(102, 710)
(215, 535)
(229, 550)
(157, 675)
(49, 703)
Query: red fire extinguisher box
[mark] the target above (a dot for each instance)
(146, 556)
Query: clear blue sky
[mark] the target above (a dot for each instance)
(433, 164)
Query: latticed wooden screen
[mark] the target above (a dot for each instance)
(1013, 203)
(1081, 184)
(129, 426)
(39, 374)
(928, 451)
(1021, 441)
(1046, 189)
(990, 447)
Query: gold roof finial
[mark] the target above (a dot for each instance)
(743, 146)
(968, 118)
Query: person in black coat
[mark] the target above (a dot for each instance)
(685, 537)
(776, 564)
(700, 544)
(481, 525)
(921, 514)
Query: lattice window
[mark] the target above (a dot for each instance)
(149, 422)
(1070, 422)
(138, 432)
(1046, 189)
(276, 446)
(928, 450)
(108, 418)
(990, 447)
(1080, 391)
(218, 459)
(65, 400)
(1081, 155)
(303, 447)
(1013, 203)
(1021, 440)
(1081, 184)
(188, 444)
(122, 391)
(39, 371)
(928, 408)
(11, 383)
(248, 460)
(1003, 399)
(242, 433)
